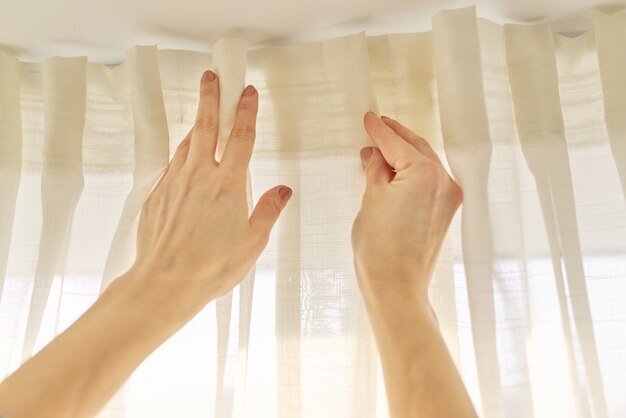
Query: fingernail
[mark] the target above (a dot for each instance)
(284, 192)
(249, 91)
(385, 117)
(366, 153)
(208, 76)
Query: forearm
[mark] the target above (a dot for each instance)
(75, 375)
(420, 376)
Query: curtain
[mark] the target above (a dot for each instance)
(530, 288)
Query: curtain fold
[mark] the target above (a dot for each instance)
(142, 80)
(535, 85)
(531, 281)
(610, 34)
(467, 142)
(10, 154)
(229, 61)
(64, 80)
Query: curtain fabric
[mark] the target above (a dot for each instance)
(530, 288)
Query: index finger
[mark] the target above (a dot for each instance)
(412, 138)
(239, 146)
(205, 128)
(398, 153)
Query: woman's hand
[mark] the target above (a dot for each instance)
(195, 242)
(196, 238)
(407, 207)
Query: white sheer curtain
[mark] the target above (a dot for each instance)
(531, 285)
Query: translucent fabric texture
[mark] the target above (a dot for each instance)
(530, 289)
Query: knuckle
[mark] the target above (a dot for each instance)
(243, 131)
(188, 174)
(376, 157)
(275, 205)
(421, 140)
(428, 177)
(422, 146)
(407, 160)
(247, 104)
(184, 144)
(147, 204)
(454, 192)
(206, 123)
(229, 180)
(386, 136)
(207, 89)
(429, 168)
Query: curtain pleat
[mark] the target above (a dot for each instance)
(141, 78)
(510, 272)
(531, 279)
(535, 85)
(468, 148)
(310, 277)
(10, 177)
(610, 37)
(610, 32)
(229, 61)
(10, 154)
(64, 96)
(287, 251)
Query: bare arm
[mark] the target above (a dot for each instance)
(195, 242)
(407, 207)
(81, 369)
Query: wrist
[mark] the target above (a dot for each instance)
(393, 304)
(382, 282)
(387, 291)
(401, 323)
(169, 289)
(150, 291)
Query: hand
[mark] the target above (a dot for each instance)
(195, 242)
(195, 238)
(408, 204)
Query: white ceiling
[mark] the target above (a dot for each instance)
(102, 30)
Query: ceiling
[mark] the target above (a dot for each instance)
(102, 30)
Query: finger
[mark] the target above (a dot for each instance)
(160, 179)
(377, 171)
(178, 160)
(239, 147)
(397, 152)
(409, 136)
(205, 128)
(182, 151)
(267, 210)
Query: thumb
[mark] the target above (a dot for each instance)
(268, 208)
(377, 171)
